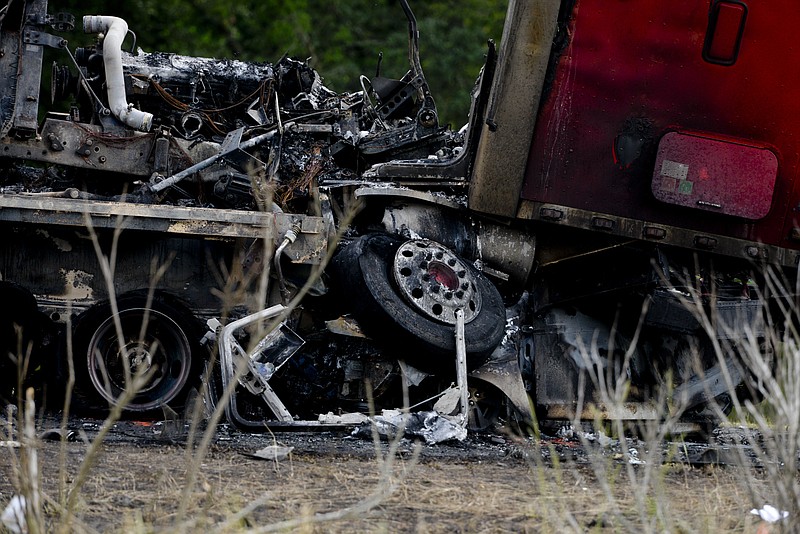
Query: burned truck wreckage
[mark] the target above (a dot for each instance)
(177, 223)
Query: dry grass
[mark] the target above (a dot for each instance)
(137, 489)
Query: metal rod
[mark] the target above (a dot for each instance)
(461, 368)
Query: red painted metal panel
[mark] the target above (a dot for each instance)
(725, 30)
(715, 175)
(629, 73)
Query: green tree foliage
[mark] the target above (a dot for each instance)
(341, 39)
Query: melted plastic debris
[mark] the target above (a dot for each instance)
(430, 426)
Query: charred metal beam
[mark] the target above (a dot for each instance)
(658, 234)
(311, 244)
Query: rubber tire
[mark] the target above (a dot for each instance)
(19, 308)
(363, 272)
(94, 318)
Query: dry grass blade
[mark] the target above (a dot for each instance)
(195, 456)
(29, 464)
(134, 382)
(384, 488)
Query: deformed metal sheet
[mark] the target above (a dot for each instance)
(506, 376)
(345, 326)
(310, 246)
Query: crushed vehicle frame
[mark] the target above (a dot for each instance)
(335, 250)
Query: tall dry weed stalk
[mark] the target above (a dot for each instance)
(646, 507)
(196, 455)
(759, 360)
(767, 409)
(30, 477)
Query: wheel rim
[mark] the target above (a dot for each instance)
(161, 349)
(435, 281)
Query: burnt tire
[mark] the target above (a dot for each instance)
(390, 313)
(19, 319)
(160, 340)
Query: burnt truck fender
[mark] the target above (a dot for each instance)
(503, 251)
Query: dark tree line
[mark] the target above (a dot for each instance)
(341, 39)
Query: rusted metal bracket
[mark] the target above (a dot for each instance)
(35, 37)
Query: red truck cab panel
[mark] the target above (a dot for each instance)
(710, 86)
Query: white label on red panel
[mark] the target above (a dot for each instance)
(673, 169)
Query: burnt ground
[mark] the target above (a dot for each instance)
(141, 480)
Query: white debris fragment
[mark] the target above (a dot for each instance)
(600, 437)
(13, 517)
(633, 457)
(448, 403)
(431, 426)
(412, 374)
(512, 327)
(606, 441)
(273, 452)
(566, 432)
(354, 418)
(770, 514)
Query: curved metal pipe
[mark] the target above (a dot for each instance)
(115, 30)
(191, 122)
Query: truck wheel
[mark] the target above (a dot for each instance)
(405, 294)
(17, 329)
(155, 342)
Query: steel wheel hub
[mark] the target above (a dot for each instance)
(435, 281)
(163, 351)
(139, 357)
